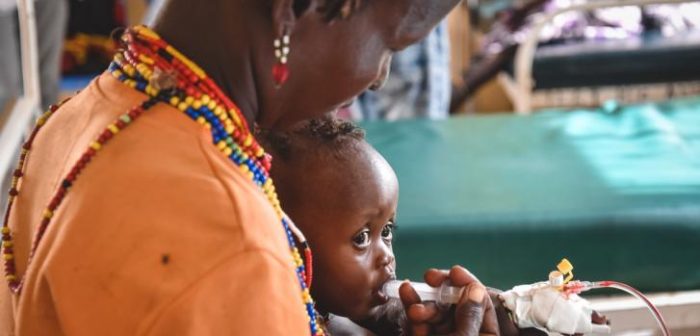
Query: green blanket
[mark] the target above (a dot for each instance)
(617, 192)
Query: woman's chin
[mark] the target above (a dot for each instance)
(347, 103)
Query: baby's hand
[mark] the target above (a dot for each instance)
(505, 324)
(509, 328)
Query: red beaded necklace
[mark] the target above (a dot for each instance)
(150, 65)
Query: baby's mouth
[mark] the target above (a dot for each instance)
(383, 297)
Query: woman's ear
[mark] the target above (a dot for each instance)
(285, 13)
(283, 16)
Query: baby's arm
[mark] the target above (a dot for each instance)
(505, 324)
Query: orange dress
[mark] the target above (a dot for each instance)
(160, 235)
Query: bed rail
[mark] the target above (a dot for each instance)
(521, 90)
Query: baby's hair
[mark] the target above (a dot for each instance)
(318, 134)
(332, 129)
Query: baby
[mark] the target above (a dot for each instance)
(343, 195)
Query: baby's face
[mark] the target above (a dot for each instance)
(353, 255)
(347, 214)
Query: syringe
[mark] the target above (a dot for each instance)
(444, 294)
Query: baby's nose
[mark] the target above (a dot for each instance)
(386, 257)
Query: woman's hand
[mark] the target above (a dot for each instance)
(473, 315)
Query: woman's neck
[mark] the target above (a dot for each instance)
(221, 48)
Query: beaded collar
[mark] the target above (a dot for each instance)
(150, 65)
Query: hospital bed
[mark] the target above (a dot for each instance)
(616, 191)
(586, 73)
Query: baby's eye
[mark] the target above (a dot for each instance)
(388, 231)
(361, 240)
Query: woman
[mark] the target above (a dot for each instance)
(137, 208)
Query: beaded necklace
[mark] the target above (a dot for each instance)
(152, 66)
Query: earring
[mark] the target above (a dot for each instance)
(280, 71)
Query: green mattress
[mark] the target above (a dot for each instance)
(616, 191)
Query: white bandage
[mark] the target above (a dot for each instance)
(543, 306)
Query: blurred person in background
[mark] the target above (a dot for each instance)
(418, 85)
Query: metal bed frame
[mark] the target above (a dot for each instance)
(520, 88)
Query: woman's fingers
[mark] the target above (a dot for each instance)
(416, 312)
(408, 295)
(457, 275)
(460, 276)
(489, 324)
(470, 312)
(435, 277)
(474, 315)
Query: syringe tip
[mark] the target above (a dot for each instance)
(391, 288)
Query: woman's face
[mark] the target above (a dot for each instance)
(331, 63)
